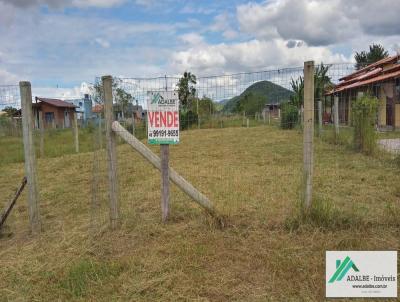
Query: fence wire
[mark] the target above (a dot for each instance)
(232, 148)
(226, 160)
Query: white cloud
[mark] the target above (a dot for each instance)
(223, 23)
(62, 93)
(7, 78)
(62, 48)
(193, 39)
(102, 42)
(251, 55)
(316, 22)
(319, 22)
(191, 9)
(7, 14)
(97, 3)
(69, 48)
(64, 3)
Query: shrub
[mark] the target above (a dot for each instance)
(364, 112)
(186, 119)
(289, 115)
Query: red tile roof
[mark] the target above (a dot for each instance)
(379, 78)
(55, 102)
(97, 108)
(385, 69)
(370, 66)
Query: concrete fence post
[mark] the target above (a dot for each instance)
(308, 135)
(319, 118)
(76, 132)
(30, 157)
(41, 127)
(336, 115)
(111, 147)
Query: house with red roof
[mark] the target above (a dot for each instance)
(380, 79)
(53, 113)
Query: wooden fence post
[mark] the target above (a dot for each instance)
(41, 126)
(76, 132)
(247, 123)
(164, 181)
(30, 158)
(308, 134)
(111, 146)
(336, 115)
(182, 183)
(319, 118)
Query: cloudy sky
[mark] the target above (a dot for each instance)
(66, 42)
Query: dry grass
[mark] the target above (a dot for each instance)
(252, 175)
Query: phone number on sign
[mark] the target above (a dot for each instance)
(165, 133)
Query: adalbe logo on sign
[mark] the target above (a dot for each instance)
(162, 117)
(361, 274)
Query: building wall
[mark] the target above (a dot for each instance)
(397, 115)
(58, 116)
(386, 90)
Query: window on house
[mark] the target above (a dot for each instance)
(49, 117)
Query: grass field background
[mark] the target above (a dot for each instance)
(253, 175)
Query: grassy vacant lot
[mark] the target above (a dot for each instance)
(265, 253)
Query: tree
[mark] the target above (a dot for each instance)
(250, 103)
(205, 107)
(97, 90)
(321, 82)
(298, 89)
(186, 89)
(10, 111)
(364, 111)
(376, 52)
(123, 99)
(289, 115)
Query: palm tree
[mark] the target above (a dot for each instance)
(298, 89)
(321, 82)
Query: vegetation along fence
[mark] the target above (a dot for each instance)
(258, 138)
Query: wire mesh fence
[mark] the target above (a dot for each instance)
(238, 155)
(230, 135)
(9, 105)
(209, 159)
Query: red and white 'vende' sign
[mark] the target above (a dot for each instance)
(162, 117)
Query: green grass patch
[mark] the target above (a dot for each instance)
(85, 273)
(344, 137)
(322, 214)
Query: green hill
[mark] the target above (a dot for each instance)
(254, 98)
